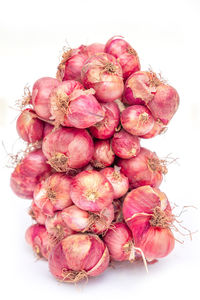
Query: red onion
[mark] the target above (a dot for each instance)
(146, 88)
(53, 194)
(148, 214)
(77, 257)
(119, 241)
(81, 220)
(103, 73)
(137, 120)
(118, 180)
(164, 104)
(144, 169)
(36, 214)
(68, 148)
(37, 237)
(74, 59)
(34, 164)
(106, 128)
(91, 191)
(22, 186)
(31, 170)
(125, 145)
(157, 129)
(29, 127)
(40, 96)
(103, 155)
(140, 88)
(70, 105)
(125, 54)
(57, 228)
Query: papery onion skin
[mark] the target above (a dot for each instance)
(157, 129)
(53, 193)
(140, 88)
(137, 120)
(78, 256)
(103, 73)
(36, 214)
(144, 169)
(125, 54)
(103, 154)
(148, 214)
(164, 104)
(57, 228)
(118, 239)
(37, 237)
(40, 96)
(29, 127)
(91, 191)
(118, 180)
(68, 148)
(106, 128)
(125, 145)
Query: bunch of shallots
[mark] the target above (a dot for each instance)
(94, 190)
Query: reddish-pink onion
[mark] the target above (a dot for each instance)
(103, 154)
(40, 96)
(107, 127)
(77, 257)
(57, 228)
(119, 241)
(28, 173)
(125, 55)
(148, 214)
(164, 104)
(37, 237)
(137, 120)
(144, 169)
(36, 213)
(68, 148)
(118, 180)
(81, 220)
(140, 88)
(29, 127)
(72, 106)
(146, 88)
(91, 191)
(53, 193)
(74, 59)
(103, 73)
(125, 145)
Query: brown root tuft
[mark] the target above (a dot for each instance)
(131, 51)
(58, 162)
(61, 67)
(160, 218)
(51, 194)
(110, 68)
(74, 276)
(159, 165)
(25, 100)
(97, 164)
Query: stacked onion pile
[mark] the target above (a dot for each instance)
(95, 192)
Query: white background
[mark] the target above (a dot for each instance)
(166, 36)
